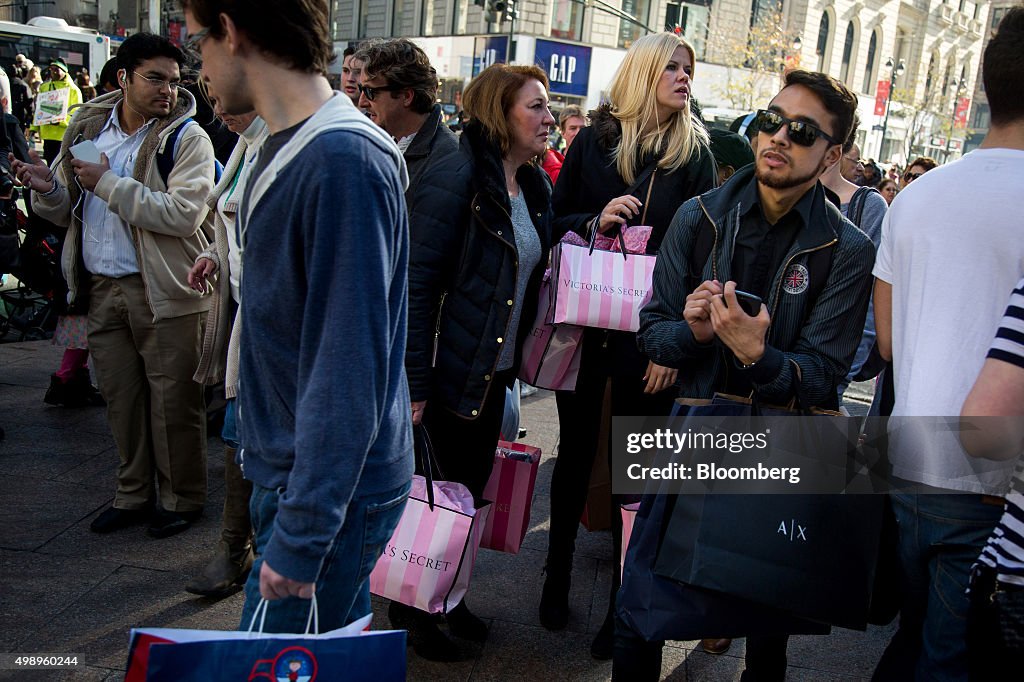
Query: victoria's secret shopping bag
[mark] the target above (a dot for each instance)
(595, 288)
(428, 561)
(551, 353)
(510, 489)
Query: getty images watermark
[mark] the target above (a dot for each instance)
(789, 455)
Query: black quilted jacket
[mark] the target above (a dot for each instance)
(462, 272)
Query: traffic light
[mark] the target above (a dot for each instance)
(495, 10)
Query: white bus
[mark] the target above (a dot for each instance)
(46, 38)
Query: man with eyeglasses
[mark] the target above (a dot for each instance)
(133, 217)
(399, 89)
(951, 248)
(851, 166)
(769, 231)
(916, 169)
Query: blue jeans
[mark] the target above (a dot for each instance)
(940, 537)
(343, 587)
(229, 432)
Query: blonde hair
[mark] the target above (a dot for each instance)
(634, 104)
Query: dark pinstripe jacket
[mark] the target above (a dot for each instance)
(822, 340)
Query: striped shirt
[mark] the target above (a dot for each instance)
(1005, 548)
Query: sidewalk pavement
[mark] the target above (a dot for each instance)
(67, 590)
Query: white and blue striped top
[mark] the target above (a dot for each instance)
(1005, 548)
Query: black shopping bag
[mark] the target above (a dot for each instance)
(813, 556)
(658, 608)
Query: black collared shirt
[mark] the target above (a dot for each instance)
(760, 249)
(760, 246)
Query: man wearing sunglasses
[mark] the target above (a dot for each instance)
(769, 231)
(919, 167)
(131, 231)
(398, 89)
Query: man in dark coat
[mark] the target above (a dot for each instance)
(398, 90)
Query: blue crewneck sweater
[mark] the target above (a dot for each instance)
(323, 398)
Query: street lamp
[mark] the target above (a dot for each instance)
(895, 71)
(797, 44)
(960, 89)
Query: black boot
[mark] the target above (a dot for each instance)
(554, 597)
(56, 392)
(79, 392)
(465, 625)
(425, 638)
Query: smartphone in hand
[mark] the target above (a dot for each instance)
(749, 303)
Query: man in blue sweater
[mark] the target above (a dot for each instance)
(323, 400)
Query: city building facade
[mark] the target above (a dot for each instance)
(581, 43)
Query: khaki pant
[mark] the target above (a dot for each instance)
(155, 409)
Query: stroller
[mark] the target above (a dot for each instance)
(31, 309)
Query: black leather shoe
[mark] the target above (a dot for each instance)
(463, 624)
(165, 523)
(425, 638)
(115, 519)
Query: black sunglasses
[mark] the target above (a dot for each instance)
(371, 93)
(800, 132)
(910, 177)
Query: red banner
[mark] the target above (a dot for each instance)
(963, 105)
(881, 97)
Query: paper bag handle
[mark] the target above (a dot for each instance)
(261, 611)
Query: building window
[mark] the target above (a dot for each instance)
(403, 18)
(844, 69)
(432, 18)
(997, 14)
(690, 20)
(823, 30)
(567, 19)
(982, 116)
(628, 30)
(869, 69)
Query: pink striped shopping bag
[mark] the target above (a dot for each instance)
(428, 561)
(595, 288)
(510, 489)
(551, 354)
(628, 517)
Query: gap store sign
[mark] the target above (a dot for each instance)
(567, 66)
(488, 51)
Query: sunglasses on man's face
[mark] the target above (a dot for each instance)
(371, 92)
(800, 132)
(910, 177)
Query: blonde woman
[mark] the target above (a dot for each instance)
(642, 157)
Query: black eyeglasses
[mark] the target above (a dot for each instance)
(371, 93)
(800, 132)
(910, 177)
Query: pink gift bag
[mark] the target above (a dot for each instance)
(628, 517)
(551, 354)
(510, 489)
(428, 561)
(596, 288)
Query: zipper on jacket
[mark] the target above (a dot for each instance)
(714, 244)
(778, 282)
(437, 330)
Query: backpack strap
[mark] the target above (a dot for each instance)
(165, 157)
(855, 211)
